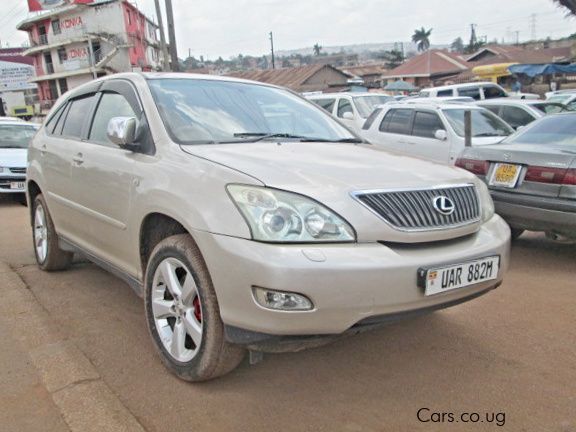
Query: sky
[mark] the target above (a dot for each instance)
(230, 27)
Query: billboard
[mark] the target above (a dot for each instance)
(40, 5)
(15, 76)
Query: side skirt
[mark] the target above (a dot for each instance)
(134, 283)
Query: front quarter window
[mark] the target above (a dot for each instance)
(211, 111)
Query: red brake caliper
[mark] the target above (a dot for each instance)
(197, 310)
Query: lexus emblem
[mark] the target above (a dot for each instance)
(444, 205)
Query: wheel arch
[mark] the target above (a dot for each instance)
(32, 191)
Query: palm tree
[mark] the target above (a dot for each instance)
(568, 4)
(317, 48)
(422, 38)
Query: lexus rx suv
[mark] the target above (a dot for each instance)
(249, 219)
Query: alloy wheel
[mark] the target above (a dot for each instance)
(177, 309)
(40, 233)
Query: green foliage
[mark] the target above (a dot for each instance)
(422, 39)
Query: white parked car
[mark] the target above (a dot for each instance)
(431, 130)
(352, 109)
(477, 91)
(564, 97)
(14, 139)
(519, 113)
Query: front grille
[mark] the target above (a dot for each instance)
(18, 170)
(413, 210)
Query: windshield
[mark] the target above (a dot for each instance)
(212, 112)
(550, 108)
(484, 123)
(366, 104)
(16, 136)
(558, 129)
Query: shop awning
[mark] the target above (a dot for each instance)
(542, 69)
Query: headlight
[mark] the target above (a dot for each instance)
(486, 202)
(3, 170)
(276, 216)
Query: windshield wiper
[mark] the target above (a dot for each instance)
(488, 134)
(260, 136)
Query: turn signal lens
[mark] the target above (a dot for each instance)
(280, 300)
(478, 167)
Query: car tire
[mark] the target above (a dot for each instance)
(183, 315)
(48, 254)
(516, 233)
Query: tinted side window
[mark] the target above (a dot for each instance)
(111, 105)
(77, 113)
(445, 93)
(515, 116)
(370, 120)
(426, 124)
(397, 121)
(52, 121)
(344, 106)
(327, 104)
(473, 92)
(491, 92)
(494, 108)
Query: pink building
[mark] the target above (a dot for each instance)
(77, 41)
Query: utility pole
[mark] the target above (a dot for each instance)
(272, 50)
(165, 62)
(172, 36)
(517, 37)
(533, 26)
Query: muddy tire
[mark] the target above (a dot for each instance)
(183, 315)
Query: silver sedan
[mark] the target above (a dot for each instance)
(532, 176)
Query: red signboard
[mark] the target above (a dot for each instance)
(39, 5)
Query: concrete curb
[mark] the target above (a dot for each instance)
(77, 389)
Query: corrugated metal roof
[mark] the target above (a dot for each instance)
(432, 62)
(293, 78)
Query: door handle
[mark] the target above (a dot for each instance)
(78, 159)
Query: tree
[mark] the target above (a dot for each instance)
(422, 39)
(568, 4)
(317, 49)
(457, 46)
(393, 58)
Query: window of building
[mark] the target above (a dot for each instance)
(397, 121)
(129, 17)
(426, 124)
(62, 55)
(111, 105)
(63, 83)
(53, 90)
(77, 113)
(56, 27)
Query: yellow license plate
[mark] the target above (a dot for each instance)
(505, 175)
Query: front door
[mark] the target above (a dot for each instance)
(104, 183)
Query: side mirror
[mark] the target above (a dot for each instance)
(348, 115)
(122, 131)
(441, 135)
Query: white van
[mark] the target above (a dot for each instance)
(477, 91)
(352, 109)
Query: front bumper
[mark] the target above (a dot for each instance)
(348, 283)
(535, 213)
(7, 181)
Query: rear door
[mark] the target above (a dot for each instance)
(394, 130)
(103, 178)
(56, 152)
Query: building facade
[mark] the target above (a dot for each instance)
(77, 42)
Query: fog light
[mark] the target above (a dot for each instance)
(280, 300)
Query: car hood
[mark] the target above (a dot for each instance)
(304, 167)
(13, 158)
(330, 172)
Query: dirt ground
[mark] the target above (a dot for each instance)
(509, 356)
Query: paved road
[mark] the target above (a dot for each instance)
(512, 351)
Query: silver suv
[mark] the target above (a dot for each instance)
(249, 219)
